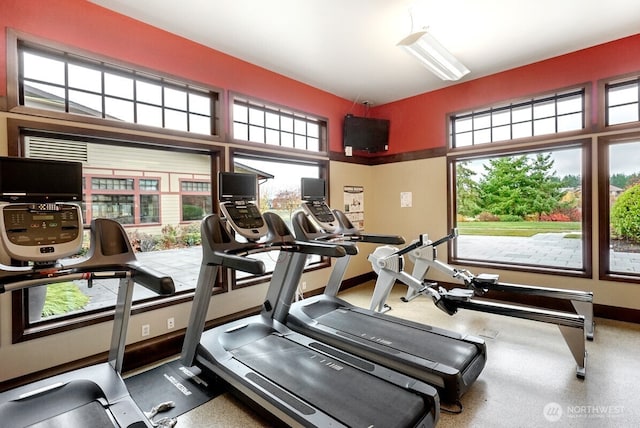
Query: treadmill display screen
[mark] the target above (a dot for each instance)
(313, 189)
(235, 186)
(37, 180)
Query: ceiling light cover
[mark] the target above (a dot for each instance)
(433, 55)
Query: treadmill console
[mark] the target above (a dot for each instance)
(245, 218)
(41, 232)
(321, 214)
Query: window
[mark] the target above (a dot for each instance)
(116, 198)
(279, 190)
(260, 123)
(526, 210)
(622, 102)
(141, 187)
(195, 200)
(549, 114)
(68, 83)
(620, 209)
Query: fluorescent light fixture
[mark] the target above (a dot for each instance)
(433, 55)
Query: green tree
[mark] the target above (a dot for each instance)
(571, 180)
(625, 214)
(467, 193)
(520, 186)
(619, 180)
(543, 193)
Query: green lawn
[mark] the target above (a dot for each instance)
(516, 228)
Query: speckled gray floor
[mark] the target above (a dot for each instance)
(529, 379)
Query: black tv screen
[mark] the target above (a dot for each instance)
(366, 134)
(38, 180)
(235, 186)
(313, 189)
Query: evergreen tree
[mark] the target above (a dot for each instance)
(466, 190)
(520, 186)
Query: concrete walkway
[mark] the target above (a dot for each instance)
(548, 249)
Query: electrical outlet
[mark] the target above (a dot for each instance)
(146, 330)
(304, 285)
(171, 323)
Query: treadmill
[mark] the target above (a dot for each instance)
(37, 231)
(296, 379)
(445, 359)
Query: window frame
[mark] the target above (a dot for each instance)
(604, 208)
(136, 192)
(15, 39)
(22, 329)
(194, 193)
(584, 89)
(603, 116)
(587, 223)
(323, 166)
(280, 111)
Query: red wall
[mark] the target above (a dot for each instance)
(84, 25)
(417, 123)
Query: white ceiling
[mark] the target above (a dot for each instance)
(348, 47)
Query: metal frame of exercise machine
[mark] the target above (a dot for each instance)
(96, 395)
(388, 263)
(39, 230)
(295, 378)
(448, 360)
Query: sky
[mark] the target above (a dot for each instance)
(623, 159)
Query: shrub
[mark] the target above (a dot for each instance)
(554, 217)
(510, 217)
(625, 214)
(487, 216)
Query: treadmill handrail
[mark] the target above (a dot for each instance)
(347, 228)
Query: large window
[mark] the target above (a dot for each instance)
(620, 209)
(260, 123)
(69, 83)
(142, 188)
(523, 209)
(279, 190)
(548, 114)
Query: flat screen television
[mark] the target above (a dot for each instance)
(313, 189)
(39, 180)
(236, 186)
(366, 134)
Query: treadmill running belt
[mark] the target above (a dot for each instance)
(352, 396)
(401, 337)
(90, 415)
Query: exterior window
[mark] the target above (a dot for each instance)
(196, 200)
(116, 207)
(279, 191)
(147, 202)
(544, 115)
(622, 102)
(122, 207)
(260, 123)
(68, 83)
(620, 210)
(523, 209)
